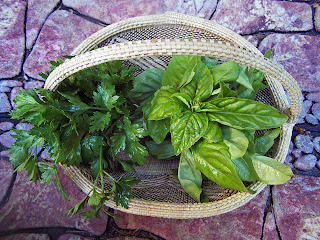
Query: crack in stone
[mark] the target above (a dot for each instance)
(268, 208)
(6, 197)
(86, 17)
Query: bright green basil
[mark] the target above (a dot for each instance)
(266, 141)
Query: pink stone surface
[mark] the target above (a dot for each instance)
(6, 139)
(242, 223)
(315, 96)
(61, 33)
(296, 208)
(14, 92)
(250, 16)
(299, 55)
(5, 85)
(6, 172)
(112, 11)
(252, 39)
(73, 237)
(27, 236)
(317, 19)
(270, 228)
(11, 37)
(38, 11)
(24, 126)
(36, 205)
(33, 84)
(5, 126)
(4, 103)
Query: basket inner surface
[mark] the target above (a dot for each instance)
(157, 181)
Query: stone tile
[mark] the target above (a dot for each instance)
(38, 11)
(123, 238)
(306, 162)
(5, 153)
(37, 205)
(73, 237)
(45, 155)
(316, 110)
(114, 11)
(312, 119)
(5, 85)
(6, 139)
(11, 37)
(316, 143)
(315, 96)
(14, 92)
(270, 228)
(242, 223)
(317, 19)
(4, 103)
(290, 49)
(6, 172)
(252, 39)
(33, 84)
(5, 126)
(304, 143)
(61, 33)
(250, 16)
(24, 126)
(296, 208)
(27, 236)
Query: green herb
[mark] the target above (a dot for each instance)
(211, 116)
(86, 120)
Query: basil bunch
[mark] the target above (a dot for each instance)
(211, 116)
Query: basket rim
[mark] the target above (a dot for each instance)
(86, 57)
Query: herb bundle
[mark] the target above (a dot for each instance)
(197, 109)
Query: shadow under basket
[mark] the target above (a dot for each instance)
(150, 42)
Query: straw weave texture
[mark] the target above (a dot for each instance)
(150, 41)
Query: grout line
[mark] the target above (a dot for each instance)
(88, 18)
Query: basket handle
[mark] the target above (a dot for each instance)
(169, 47)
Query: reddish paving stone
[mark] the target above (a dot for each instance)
(5, 126)
(315, 96)
(252, 39)
(37, 205)
(5, 85)
(14, 92)
(38, 11)
(4, 103)
(6, 171)
(73, 237)
(61, 33)
(299, 55)
(270, 228)
(243, 223)
(296, 208)
(250, 16)
(33, 84)
(125, 238)
(6, 139)
(11, 37)
(317, 19)
(27, 236)
(114, 10)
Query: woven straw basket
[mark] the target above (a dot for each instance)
(149, 42)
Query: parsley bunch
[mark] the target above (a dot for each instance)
(88, 119)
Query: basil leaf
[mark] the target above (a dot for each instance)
(189, 175)
(266, 141)
(179, 71)
(213, 160)
(255, 77)
(162, 105)
(210, 62)
(183, 97)
(226, 72)
(157, 129)
(244, 114)
(245, 169)
(186, 129)
(271, 171)
(225, 91)
(146, 84)
(163, 150)
(243, 78)
(235, 140)
(250, 135)
(213, 133)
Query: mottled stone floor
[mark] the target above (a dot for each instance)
(32, 32)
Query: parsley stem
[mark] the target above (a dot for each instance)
(101, 169)
(109, 176)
